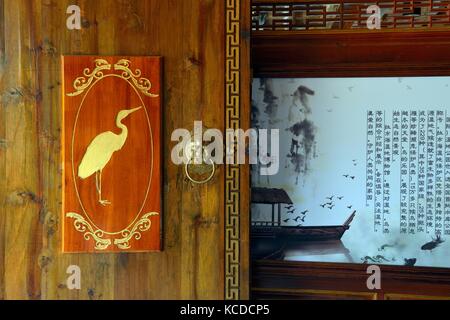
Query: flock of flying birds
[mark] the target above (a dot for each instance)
(350, 89)
(330, 203)
(291, 211)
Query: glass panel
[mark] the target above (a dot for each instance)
(363, 170)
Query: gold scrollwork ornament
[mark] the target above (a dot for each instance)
(142, 225)
(142, 84)
(82, 83)
(83, 226)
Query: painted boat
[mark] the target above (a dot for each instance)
(309, 233)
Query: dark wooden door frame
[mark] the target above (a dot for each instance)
(347, 53)
(283, 279)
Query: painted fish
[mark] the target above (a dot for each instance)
(384, 246)
(381, 258)
(410, 262)
(367, 258)
(433, 244)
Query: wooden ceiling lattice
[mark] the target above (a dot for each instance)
(304, 15)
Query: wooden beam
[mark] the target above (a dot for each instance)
(347, 53)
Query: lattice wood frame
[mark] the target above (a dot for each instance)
(298, 15)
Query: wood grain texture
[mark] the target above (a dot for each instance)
(347, 53)
(304, 294)
(303, 280)
(22, 198)
(188, 34)
(245, 106)
(3, 146)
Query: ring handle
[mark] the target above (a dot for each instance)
(186, 170)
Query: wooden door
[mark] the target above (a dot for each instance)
(204, 45)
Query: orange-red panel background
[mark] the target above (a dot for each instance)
(131, 180)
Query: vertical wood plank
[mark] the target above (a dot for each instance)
(3, 146)
(153, 276)
(23, 203)
(51, 45)
(97, 271)
(245, 83)
(203, 100)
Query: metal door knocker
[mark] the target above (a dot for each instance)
(193, 149)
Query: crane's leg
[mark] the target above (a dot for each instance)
(98, 185)
(102, 202)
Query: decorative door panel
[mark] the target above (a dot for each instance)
(111, 142)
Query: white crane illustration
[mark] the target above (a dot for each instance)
(100, 151)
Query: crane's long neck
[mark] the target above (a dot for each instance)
(123, 135)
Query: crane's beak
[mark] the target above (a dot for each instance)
(133, 110)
